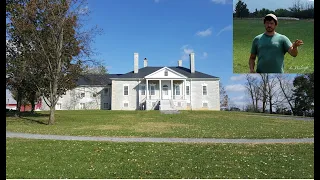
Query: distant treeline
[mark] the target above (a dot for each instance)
(297, 10)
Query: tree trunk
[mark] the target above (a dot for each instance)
(19, 100)
(51, 117)
(270, 106)
(32, 106)
(32, 101)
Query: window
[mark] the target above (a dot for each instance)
(58, 106)
(165, 89)
(165, 73)
(82, 106)
(105, 105)
(188, 90)
(126, 104)
(106, 92)
(152, 90)
(82, 95)
(204, 90)
(126, 90)
(143, 90)
(177, 89)
(205, 104)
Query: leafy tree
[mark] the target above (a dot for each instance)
(303, 93)
(241, 10)
(283, 13)
(50, 32)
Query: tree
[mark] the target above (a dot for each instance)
(253, 91)
(303, 94)
(286, 87)
(263, 90)
(50, 31)
(272, 92)
(263, 12)
(223, 96)
(98, 69)
(283, 12)
(241, 10)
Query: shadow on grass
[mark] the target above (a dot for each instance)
(28, 116)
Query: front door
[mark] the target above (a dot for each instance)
(165, 92)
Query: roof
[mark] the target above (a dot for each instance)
(96, 79)
(182, 70)
(105, 79)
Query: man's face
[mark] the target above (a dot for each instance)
(270, 26)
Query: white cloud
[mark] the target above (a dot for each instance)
(204, 55)
(186, 50)
(227, 28)
(235, 88)
(156, 1)
(243, 77)
(238, 98)
(204, 33)
(219, 1)
(238, 78)
(222, 1)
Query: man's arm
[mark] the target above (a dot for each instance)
(293, 50)
(252, 60)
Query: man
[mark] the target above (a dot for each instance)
(270, 47)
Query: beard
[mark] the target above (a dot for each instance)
(269, 29)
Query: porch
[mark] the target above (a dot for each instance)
(155, 94)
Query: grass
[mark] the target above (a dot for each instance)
(246, 29)
(49, 159)
(187, 124)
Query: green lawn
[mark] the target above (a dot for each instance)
(246, 29)
(192, 124)
(50, 159)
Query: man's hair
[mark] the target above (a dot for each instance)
(269, 18)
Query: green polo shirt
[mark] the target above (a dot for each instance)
(270, 51)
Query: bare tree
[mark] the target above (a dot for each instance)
(273, 92)
(286, 87)
(263, 90)
(253, 90)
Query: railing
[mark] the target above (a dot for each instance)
(171, 104)
(155, 104)
(142, 104)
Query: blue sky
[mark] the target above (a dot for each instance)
(271, 4)
(164, 31)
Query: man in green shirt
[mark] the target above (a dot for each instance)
(270, 47)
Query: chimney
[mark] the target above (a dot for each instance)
(180, 63)
(136, 63)
(145, 62)
(192, 67)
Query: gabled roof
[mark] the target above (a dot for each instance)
(148, 70)
(96, 79)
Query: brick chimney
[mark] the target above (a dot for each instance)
(136, 63)
(145, 62)
(192, 66)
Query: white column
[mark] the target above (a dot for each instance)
(184, 89)
(172, 89)
(160, 89)
(147, 87)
